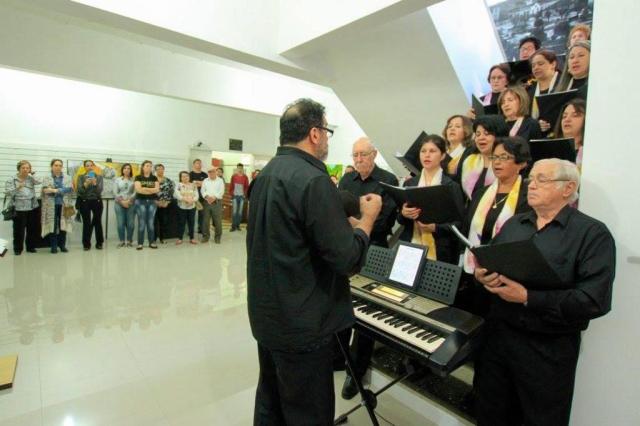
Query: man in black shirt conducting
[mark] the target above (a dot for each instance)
(366, 180)
(527, 367)
(301, 249)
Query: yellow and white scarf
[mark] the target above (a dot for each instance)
(477, 223)
(455, 155)
(426, 238)
(471, 171)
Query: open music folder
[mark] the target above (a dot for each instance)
(436, 202)
(521, 261)
(550, 104)
(481, 109)
(562, 148)
(411, 159)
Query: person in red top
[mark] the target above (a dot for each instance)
(238, 188)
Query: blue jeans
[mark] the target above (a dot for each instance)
(126, 221)
(238, 203)
(146, 211)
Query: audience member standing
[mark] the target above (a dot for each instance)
(187, 195)
(147, 188)
(197, 176)
(212, 191)
(21, 192)
(56, 197)
(124, 199)
(90, 186)
(238, 187)
(165, 196)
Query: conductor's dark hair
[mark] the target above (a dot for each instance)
(493, 124)
(530, 39)
(516, 146)
(437, 140)
(298, 119)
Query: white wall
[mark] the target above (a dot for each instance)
(36, 109)
(608, 379)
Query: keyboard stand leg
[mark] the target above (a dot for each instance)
(368, 398)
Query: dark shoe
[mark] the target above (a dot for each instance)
(162, 242)
(86, 248)
(139, 247)
(54, 250)
(17, 252)
(205, 240)
(349, 388)
(232, 229)
(217, 240)
(32, 250)
(64, 250)
(99, 246)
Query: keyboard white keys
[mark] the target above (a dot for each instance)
(411, 332)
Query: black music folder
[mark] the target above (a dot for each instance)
(481, 109)
(520, 260)
(563, 149)
(436, 202)
(550, 104)
(520, 71)
(411, 159)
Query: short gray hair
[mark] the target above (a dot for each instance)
(565, 171)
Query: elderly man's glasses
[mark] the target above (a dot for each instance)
(361, 154)
(541, 180)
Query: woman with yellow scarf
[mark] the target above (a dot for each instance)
(492, 206)
(437, 237)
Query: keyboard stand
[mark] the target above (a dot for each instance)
(369, 399)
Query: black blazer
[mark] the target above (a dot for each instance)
(521, 207)
(447, 247)
(530, 129)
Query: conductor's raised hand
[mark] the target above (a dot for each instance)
(370, 205)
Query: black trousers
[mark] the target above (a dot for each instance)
(91, 212)
(295, 389)
(58, 238)
(361, 350)
(162, 218)
(525, 378)
(186, 217)
(25, 222)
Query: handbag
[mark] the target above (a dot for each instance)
(8, 212)
(68, 212)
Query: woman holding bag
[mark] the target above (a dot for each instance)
(21, 191)
(57, 208)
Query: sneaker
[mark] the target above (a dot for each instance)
(129, 244)
(139, 247)
(122, 244)
(178, 242)
(153, 245)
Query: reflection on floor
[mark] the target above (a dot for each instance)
(126, 337)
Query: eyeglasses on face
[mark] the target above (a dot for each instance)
(361, 154)
(329, 131)
(502, 157)
(541, 180)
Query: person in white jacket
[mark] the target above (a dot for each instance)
(212, 191)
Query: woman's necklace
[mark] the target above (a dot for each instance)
(497, 203)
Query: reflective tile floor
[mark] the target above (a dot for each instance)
(126, 337)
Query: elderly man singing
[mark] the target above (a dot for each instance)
(526, 371)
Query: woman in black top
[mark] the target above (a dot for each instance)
(544, 66)
(147, 188)
(577, 73)
(89, 203)
(514, 105)
(438, 237)
(492, 206)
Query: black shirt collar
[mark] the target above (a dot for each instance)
(375, 174)
(562, 217)
(292, 150)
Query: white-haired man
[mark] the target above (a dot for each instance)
(526, 370)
